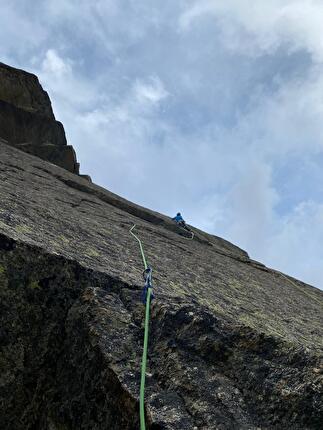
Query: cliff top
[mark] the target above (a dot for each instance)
(27, 120)
(23, 90)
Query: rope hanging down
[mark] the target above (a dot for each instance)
(148, 297)
(190, 231)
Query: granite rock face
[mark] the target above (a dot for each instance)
(233, 344)
(27, 120)
(22, 89)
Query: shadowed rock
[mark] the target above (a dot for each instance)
(22, 89)
(27, 120)
(233, 344)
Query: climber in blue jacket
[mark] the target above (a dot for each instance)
(180, 221)
(178, 218)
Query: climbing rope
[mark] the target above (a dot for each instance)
(192, 235)
(148, 286)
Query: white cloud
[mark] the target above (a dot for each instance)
(152, 90)
(19, 36)
(293, 247)
(255, 28)
(250, 206)
(54, 65)
(286, 122)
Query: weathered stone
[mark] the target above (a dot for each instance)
(233, 344)
(22, 89)
(18, 127)
(27, 120)
(63, 156)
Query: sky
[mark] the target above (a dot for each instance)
(213, 108)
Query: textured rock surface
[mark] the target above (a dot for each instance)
(27, 120)
(233, 345)
(23, 90)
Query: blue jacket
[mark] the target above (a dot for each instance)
(178, 218)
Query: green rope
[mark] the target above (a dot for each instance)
(145, 349)
(141, 248)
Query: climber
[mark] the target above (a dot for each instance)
(180, 221)
(147, 274)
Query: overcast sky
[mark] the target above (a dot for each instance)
(212, 107)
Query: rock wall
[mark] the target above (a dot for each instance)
(27, 120)
(22, 89)
(233, 344)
